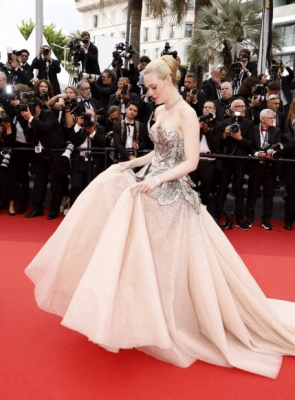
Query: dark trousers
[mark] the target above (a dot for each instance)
(22, 164)
(45, 168)
(231, 170)
(290, 203)
(266, 175)
(205, 175)
(80, 177)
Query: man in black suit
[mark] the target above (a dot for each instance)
(24, 63)
(211, 86)
(85, 134)
(45, 129)
(263, 172)
(223, 104)
(104, 88)
(236, 143)
(210, 140)
(247, 67)
(194, 97)
(129, 134)
(285, 82)
(123, 95)
(89, 55)
(287, 175)
(47, 67)
(21, 71)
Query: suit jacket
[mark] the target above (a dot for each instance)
(102, 93)
(214, 140)
(54, 69)
(48, 131)
(90, 60)
(201, 99)
(221, 106)
(287, 172)
(242, 147)
(120, 142)
(280, 120)
(274, 136)
(251, 67)
(209, 87)
(23, 75)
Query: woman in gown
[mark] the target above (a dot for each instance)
(139, 263)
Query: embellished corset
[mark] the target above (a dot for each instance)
(169, 152)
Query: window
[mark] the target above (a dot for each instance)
(112, 34)
(172, 31)
(288, 33)
(146, 35)
(188, 30)
(147, 9)
(123, 34)
(157, 53)
(191, 5)
(95, 21)
(144, 52)
(93, 39)
(159, 33)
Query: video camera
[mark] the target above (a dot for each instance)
(122, 50)
(75, 48)
(167, 51)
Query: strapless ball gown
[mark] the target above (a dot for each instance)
(155, 272)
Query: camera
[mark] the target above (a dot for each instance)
(207, 118)
(259, 90)
(4, 118)
(194, 90)
(273, 69)
(272, 150)
(28, 95)
(89, 76)
(89, 119)
(167, 51)
(45, 51)
(26, 106)
(6, 158)
(122, 51)
(124, 90)
(235, 127)
(43, 96)
(66, 155)
(102, 113)
(72, 102)
(12, 93)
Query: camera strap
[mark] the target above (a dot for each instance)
(136, 127)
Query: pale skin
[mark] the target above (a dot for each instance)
(181, 118)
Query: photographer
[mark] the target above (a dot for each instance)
(44, 128)
(194, 97)
(89, 55)
(223, 104)
(211, 86)
(47, 67)
(129, 134)
(7, 175)
(122, 96)
(273, 103)
(44, 91)
(210, 139)
(264, 172)
(285, 82)
(22, 159)
(125, 52)
(104, 88)
(85, 134)
(237, 140)
(247, 67)
(18, 72)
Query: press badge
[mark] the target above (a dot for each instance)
(38, 149)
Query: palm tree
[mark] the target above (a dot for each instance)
(223, 28)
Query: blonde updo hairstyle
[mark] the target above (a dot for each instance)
(164, 66)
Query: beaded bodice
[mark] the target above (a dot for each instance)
(169, 152)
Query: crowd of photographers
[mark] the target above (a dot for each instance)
(248, 116)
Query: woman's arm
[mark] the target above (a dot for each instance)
(137, 162)
(51, 102)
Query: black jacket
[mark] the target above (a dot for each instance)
(214, 139)
(103, 93)
(116, 102)
(201, 99)
(287, 172)
(120, 140)
(90, 60)
(285, 84)
(209, 87)
(48, 72)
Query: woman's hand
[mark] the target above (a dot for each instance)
(126, 165)
(146, 186)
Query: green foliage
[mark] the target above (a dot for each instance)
(51, 34)
(223, 28)
(26, 28)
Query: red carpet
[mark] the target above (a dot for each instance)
(40, 359)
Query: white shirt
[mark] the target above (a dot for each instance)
(130, 132)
